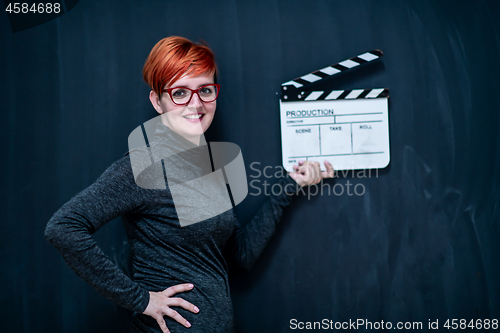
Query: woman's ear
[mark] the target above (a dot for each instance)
(155, 101)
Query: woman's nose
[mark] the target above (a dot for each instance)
(195, 101)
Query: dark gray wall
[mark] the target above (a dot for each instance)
(420, 244)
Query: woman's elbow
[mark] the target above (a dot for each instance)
(56, 232)
(52, 232)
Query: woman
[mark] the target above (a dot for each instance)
(180, 277)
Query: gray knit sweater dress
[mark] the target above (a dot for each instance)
(163, 253)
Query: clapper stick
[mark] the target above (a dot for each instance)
(299, 84)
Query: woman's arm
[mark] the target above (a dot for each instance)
(247, 243)
(70, 229)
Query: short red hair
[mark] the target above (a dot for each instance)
(172, 57)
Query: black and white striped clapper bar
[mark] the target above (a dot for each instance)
(348, 128)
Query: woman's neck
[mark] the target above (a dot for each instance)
(195, 139)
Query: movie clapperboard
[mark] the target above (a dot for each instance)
(348, 128)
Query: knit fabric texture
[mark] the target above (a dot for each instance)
(163, 253)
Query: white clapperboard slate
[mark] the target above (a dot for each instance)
(348, 128)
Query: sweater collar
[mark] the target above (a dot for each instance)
(176, 141)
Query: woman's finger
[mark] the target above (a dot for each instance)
(308, 172)
(177, 317)
(178, 288)
(303, 169)
(299, 168)
(317, 172)
(163, 325)
(329, 173)
(177, 301)
(313, 173)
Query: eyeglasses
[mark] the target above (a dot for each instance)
(182, 95)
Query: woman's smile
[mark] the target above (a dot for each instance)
(194, 117)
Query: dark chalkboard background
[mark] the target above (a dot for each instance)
(421, 243)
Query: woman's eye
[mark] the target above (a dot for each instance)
(206, 90)
(179, 93)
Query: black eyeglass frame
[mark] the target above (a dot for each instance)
(195, 91)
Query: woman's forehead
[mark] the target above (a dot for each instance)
(194, 80)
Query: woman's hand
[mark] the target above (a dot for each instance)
(309, 172)
(160, 305)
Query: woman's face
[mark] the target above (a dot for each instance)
(191, 120)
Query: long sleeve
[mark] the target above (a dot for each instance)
(248, 242)
(70, 229)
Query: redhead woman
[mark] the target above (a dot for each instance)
(180, 277)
